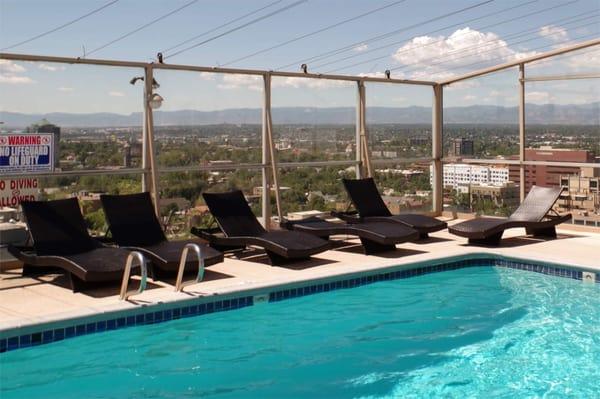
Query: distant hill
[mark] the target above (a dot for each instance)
(580, 114)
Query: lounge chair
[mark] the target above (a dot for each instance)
(371, 208)
(374, 236)
(239, 228)
(133, 225)
(61, 240)
(531, 214)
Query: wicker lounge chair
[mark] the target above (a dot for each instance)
(371, 208)
(133, 225)
(374, 236)
(239, 228)
(532, 214)
(61, 240)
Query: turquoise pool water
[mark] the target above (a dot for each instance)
(475, 332)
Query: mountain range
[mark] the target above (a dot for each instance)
(573, 114)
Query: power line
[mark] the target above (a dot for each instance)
(144, 26)
(516, 35)
(382, 36)
(220, 26)
(478, 28)
(110, 3)
(321, 30)
(427, 33)
(251, 22)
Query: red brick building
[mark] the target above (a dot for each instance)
(548, 176)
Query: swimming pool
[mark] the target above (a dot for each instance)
(459, 333)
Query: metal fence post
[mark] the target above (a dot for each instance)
(522, 176)
(269, 156)
(437, 149)
(362, 126)
(150, 149)
(358, 142)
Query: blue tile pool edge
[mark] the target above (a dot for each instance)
(11, 339)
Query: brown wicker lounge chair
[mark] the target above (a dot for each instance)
(238, 228)
(61, 240)
(133, 225)
(532, 214)
(371, 208)
(374, 236)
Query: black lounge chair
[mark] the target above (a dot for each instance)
(374, 236)
(531, 214)
(371, 208)
(61, 240)
(133, 225)
(238, 228)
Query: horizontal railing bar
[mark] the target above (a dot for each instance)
(526, 163)
(210, 168)
(194, 68)
(562, 77)
(399, 160)
(76, 173)
(316, 163)
(548, 54)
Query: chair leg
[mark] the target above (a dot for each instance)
(547, 232)
(77, 285)
(493, 240)
(372, 247)
(423, 236)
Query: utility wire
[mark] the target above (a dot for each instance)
(470, 49)
(363, 53)
(251, 22)
(220, 26)
(441, 40)
(144, 26)
(331, 53)
(321, 30)
(110, 3)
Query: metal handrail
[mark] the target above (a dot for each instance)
(133, 255)
(180, 284)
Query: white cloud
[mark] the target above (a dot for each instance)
(361, 47)
(15, 80)
(542, 97)
(7, 66)
(430, 57)
(554, 33)
(208, 76)
(51, 68)
(116, 94)
(65, 89)
(469, 97)
(234, 82)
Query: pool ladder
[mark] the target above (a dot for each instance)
(195, 248)
(133, 256)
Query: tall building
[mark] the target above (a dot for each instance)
(44, 126)
(549, 176)
(581, 191)
(461, 147)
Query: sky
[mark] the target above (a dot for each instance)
(415, 39)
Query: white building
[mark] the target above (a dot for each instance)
(458, 175)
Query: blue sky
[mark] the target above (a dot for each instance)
(446, 47)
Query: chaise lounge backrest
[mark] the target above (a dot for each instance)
(537, 204)
(366, 198)
(233, 214)
(132, 220)
(57, 227)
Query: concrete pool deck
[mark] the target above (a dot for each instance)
(27, 301)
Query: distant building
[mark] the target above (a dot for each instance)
(505, 195)
(581, 192)
(549, 176)
(456, 175)
(44, 126)
(419, 141)
(461, 147)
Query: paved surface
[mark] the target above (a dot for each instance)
(25, 301)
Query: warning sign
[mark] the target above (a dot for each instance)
(27, 152)
(14, 191)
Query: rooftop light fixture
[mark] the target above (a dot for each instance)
(304, 68)
(387, 73)
(155, 101)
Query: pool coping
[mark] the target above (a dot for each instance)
(38, 333)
